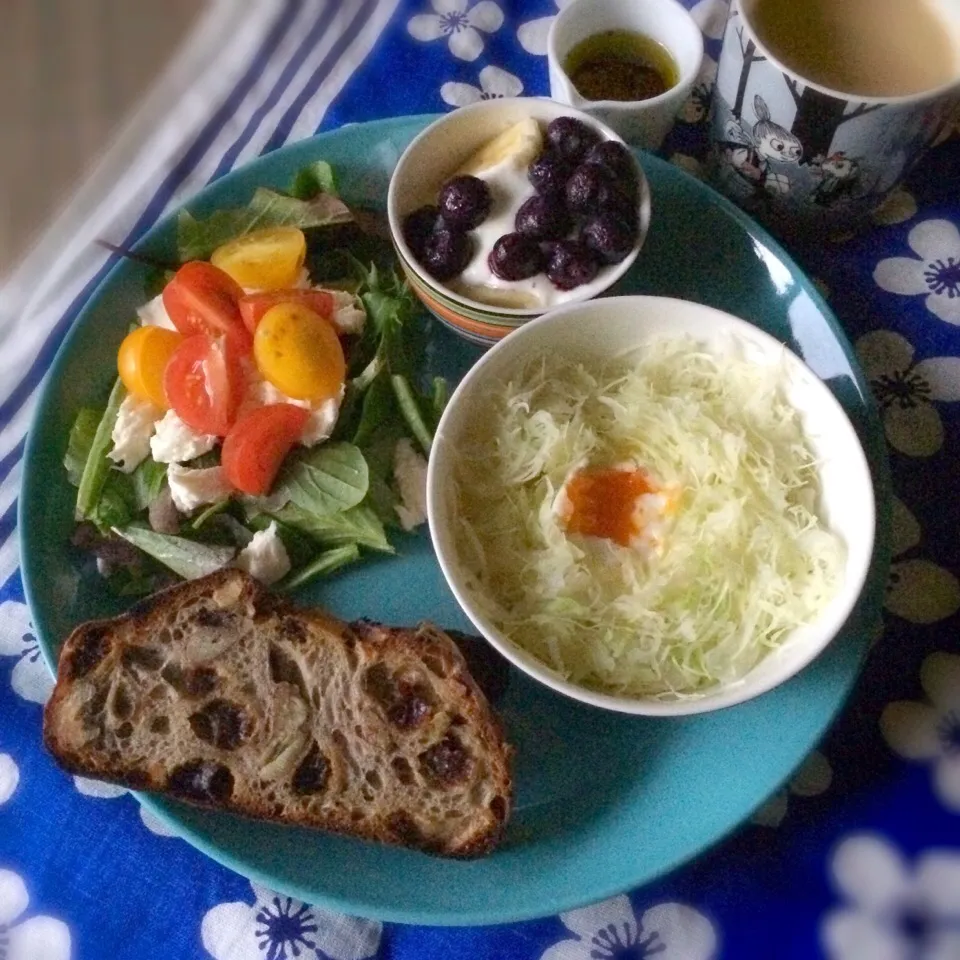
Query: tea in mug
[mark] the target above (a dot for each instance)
(621, 65)
(870, 48)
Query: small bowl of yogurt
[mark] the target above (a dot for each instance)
(505, 209)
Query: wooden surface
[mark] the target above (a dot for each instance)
(70, 70)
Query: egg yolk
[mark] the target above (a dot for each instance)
(602, 502)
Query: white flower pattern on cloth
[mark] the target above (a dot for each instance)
(100, 790)
(275, 927)
(813, 777)
(931, 731)
(494, 83)
(893, 912)
(36, 938)
(9, 777)
(532, 35)
(611, 931)
(906, 390)
(918, 589)
(30, 678)
(936, 273)
(460, 22)
(711, 17)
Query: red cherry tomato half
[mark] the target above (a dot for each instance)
(203, 299)
(254, 305)
(203, 382)
(254, 449)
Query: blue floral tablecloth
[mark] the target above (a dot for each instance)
(857, 858)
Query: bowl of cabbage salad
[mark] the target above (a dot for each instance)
(662, 510)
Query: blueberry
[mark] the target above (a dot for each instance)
(585, 186)
(515, 257)
(616, 158)
(447, 252)
(609, 237)
(465, 202)
(571, 138)
(543, 218)
(571, 265)
(549, 173)
(418, 226)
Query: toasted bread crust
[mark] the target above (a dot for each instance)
(225, 696)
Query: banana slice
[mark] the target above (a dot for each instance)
(521, 144)
(498, 297)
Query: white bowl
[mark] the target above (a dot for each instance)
(430, 160)
(599, 330)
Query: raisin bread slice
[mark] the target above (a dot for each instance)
(222, 695)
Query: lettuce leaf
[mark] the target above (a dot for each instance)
(97, 467)
(82, 434)
(197, 239)
(315, 178)
(186, 558)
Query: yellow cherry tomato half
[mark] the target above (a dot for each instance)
(268, 259)
(299, 352)
(142, 360)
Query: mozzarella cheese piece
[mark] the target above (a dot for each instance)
(132, 432)
(265, 557)
(261, 393)
(174, 441)
(154, 314)
(410, 473)
(348, 314)
(193, 488)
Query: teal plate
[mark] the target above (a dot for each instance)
(604, 802)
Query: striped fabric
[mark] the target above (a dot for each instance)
(277, 68)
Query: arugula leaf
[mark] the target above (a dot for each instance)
(410, 409)
(97, 466)
(359, 525)
(324, 480)
(439, 398)
(148, 480)
(82, 432)
(186, 558)
(201, 519)
(197, 239)
(323, 565)
(313, 179)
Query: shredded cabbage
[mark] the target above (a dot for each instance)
(745, 560)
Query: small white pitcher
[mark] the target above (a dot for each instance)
(642, 123)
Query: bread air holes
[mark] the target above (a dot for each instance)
(193, 682)
(222, 724)
(160, 725)
(121, 705)
(92, 646)
(285, 669)
(124, 731)
(403, 771)
(145, 659)
(214, 619)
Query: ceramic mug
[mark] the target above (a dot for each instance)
(642, 123)
(800, 156)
